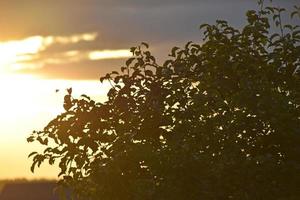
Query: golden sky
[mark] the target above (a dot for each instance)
(29, 103)
(48, 45)
(29, 100)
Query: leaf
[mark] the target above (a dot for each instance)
(117, 79)
(102, 79)
(61, 173)
(173, 51)
(282, 9)
(148, 73)
(270, 9)
(197, 46)
(188, 44)
(132, 50)
(295, 33)
(293, 14)
(45, 142)
(221, 22)
(51, 160)
(204, 25)
(40, 139)
(123, 69)
(69, 90)
(67, 102)
(147, 53)
(152, 58)
(33, 166)
(273, 36)
(129, 61)
(114, 72)
(30, 139)
(288, 26)
(145, 44)
(32, 153)
(136, 73)
(167, 63)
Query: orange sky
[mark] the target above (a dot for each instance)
(29, 103)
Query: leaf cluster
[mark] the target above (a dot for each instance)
(218, 120)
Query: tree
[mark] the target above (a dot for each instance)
(219, 120)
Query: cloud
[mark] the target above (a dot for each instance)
(70, 39)
(32, 53)
(124, 20)
(113, 25)
(109, 54)
(85, 69)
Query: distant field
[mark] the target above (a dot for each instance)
(31, 189)
(4, 182)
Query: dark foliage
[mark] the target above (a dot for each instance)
(219, 120)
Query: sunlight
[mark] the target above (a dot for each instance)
(14, 52)
(29, 53)
(105, 54)
(39, 95)
(15, 90)
(28, 103)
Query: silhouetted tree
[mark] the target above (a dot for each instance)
(219, 120)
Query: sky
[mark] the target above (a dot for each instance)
(50, 44)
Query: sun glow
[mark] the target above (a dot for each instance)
(105, 54)
(30, 95)
(14, 52)
(29, 102)
(32, 52)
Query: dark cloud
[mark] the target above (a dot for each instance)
(127, 19)
(119, 23)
